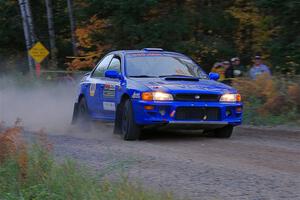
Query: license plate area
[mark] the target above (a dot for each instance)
(198, 113)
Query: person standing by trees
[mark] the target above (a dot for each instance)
(238, 69)
(224, 70)
(258, 68)
(220, 69)
(228, 72)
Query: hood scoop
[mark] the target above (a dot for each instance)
(181, 79)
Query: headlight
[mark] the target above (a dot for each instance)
(231, 98)
(156, 96)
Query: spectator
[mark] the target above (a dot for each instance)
(258, 68)
(238, 69)
(220, 69)
(228, 72)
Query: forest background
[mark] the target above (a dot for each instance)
(206, 30)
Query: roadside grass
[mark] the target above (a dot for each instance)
(252, 117)
(270, 100)
(31, 172)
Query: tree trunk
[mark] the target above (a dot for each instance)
(28, 41)
(30, 21)
(51, 31)
(73, 26)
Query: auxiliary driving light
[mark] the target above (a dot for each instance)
(228, 113)
(162, 112)
(239, 109)
(149, 107)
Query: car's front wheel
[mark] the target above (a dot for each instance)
(130, 130)
(224, 132)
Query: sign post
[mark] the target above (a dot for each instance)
(38, 52)
(38, 69)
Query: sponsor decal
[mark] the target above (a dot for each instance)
(154, 87)
(92, 89)
(109, 90)
(136, 95)
(173, 113)
(109, 106)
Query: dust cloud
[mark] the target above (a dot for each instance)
(39, 105)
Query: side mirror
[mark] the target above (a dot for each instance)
(112, 74)
(213, 76)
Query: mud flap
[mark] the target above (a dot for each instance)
(75, 113)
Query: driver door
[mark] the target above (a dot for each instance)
(95, 87)
(110, 89)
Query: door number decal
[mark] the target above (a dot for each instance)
(92, 89)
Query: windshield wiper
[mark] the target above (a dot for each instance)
(143, 76)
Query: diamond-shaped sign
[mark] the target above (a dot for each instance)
(38, 52)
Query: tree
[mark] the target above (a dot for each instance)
(30, 21)
(26, 28)
(73, 26)
(285, 47)
(254, 28)
(51, 31)
(208, 30)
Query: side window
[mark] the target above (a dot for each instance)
(102, 66)
(115, 64)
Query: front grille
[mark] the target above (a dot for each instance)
(198, 113)
(197, 97)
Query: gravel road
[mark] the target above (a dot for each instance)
(254, 164)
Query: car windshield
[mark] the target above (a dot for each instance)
(145, 66)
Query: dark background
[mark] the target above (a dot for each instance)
(207, 30)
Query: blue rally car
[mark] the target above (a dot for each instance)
(150, 88)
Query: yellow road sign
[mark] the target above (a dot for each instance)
(38, 52)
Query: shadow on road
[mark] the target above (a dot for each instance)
(173, 135)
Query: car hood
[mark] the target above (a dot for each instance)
(184, 86)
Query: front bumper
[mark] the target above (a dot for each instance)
(164, 113)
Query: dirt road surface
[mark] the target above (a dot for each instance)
(252, 165)
(255, 164)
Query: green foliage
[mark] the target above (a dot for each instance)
(11, 30)
(285, 47)
(206, 30)
(46, 179)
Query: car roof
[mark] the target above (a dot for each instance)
(147, 50)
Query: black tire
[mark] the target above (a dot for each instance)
(118, 119)
(75, 114)
(83, 117)
(224, 132)
(129, 129)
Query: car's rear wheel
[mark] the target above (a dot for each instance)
(224, 132)
(130, 130)
(83, 118)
